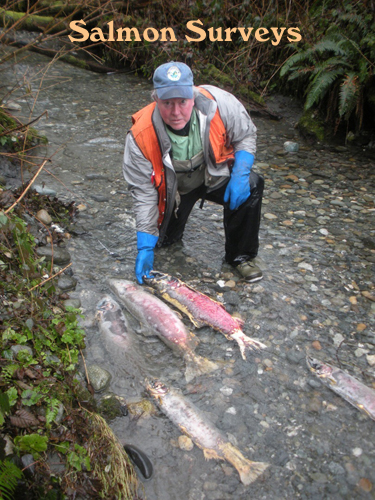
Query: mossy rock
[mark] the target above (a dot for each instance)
(311, 125)
(112, 406)
(142, 408)
(8, 123)
(31, 22)
(212, 75)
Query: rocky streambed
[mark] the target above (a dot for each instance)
(317, 297)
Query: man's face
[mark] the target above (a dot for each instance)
(175, 112)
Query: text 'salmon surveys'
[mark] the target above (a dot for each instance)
(196, 34)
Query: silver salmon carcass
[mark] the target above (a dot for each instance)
(346, 386)
(119, 338)
(201, 309)
(112, 322)
(192, 422)
(160, 320)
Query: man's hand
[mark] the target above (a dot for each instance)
(238, 188)
(145, 258)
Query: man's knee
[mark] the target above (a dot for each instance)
(256, 183)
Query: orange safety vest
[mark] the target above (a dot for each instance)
(145, 136)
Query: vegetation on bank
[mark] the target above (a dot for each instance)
(52, 441)
(331, 69)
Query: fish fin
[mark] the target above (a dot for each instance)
(249, 471)
(246, 342)
(240, 321)
(197, 323)
(210, 454)
(198, 365)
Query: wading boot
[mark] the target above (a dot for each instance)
(249, 271)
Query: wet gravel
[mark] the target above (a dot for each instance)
(317, 253)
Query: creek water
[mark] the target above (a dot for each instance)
(317, 255)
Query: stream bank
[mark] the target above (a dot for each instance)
(317, 253)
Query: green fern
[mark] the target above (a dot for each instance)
(348, 93)
(52, 411)
(338, 68)
(320, 86)
(9, 475)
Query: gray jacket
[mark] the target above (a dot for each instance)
(241, 133)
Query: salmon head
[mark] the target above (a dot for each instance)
(160, 280)
(122, 285)
(105, 304)
(156, 388)
(320, 369)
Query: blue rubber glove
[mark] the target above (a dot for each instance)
(238, 188)
(145, 258)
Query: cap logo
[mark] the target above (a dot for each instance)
(174, 74)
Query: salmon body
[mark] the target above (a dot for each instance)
(192, 422)
(119, 338)
(112, 322)
(159, 319)
(201, 309)
(346, 386)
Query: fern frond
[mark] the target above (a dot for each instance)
(320, 85)
(354, 19)
(9, 475)
(305, 55)
(329, 64)
(52, 411)
(348, 94)
(329, 45)
(300, 72)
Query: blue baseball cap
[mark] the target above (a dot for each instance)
(173, 79)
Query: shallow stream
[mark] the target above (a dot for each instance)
(317, 253)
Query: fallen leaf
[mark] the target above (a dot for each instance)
(317, 345)
(23, 418)
(365, 485)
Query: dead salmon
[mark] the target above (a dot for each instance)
(201, 309)
(112, 321)
(160, 320)
(119, 338)
(346, 386)
(192, 422)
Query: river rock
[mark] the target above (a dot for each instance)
(18, 348)
(76, 303)
(185, 443)
(44, 190)
(66, 283)
(99, 197)
(60, 255)
(99, 377)
(44, 217)
(112, 406)
(143, 408)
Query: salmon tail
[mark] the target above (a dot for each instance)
(198, 365)
(240, 322)
(246, 342)
(249, 471)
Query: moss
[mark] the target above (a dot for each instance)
(34, 136)
(244, 91)
(210, 72)
(31, 22)
(311, 126)
(74, 61)
(111, 407)
(6, 121)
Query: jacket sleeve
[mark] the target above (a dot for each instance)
(241, 131)
(138, 172)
